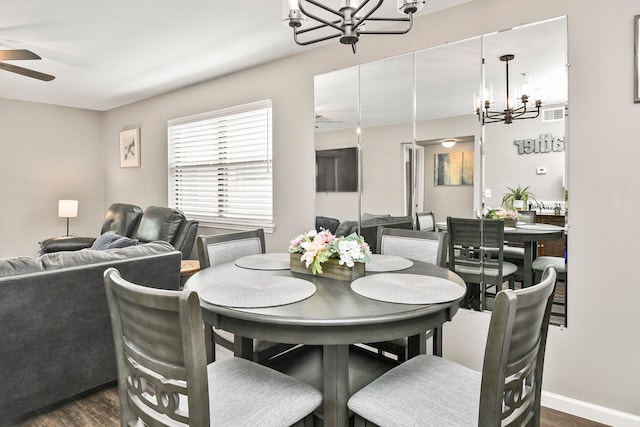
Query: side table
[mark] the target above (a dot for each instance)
(188, 267)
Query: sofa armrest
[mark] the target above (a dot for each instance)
(67, 243)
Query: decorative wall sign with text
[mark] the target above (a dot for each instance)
(546, 143)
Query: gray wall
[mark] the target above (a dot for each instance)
(594, 360)
(48, 153)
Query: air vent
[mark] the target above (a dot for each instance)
(553, 114)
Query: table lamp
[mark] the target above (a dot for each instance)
(67, 209)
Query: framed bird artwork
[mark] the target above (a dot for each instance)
(130, 148)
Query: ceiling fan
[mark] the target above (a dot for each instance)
(21, 54)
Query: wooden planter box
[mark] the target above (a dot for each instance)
(330, 268)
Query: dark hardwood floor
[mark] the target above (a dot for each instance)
(101, 409)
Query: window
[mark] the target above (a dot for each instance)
(220, 167)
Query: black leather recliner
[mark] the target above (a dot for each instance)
(155, 223)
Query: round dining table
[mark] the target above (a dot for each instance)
(327, 312)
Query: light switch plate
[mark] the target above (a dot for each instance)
(541, 170)
(487, 192)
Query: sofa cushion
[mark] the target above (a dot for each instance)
(19, 265)
(57, 260)
(327, 223)
(346, 227)
(111, 240)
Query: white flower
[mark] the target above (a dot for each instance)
(350, 250)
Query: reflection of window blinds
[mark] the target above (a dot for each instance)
(220, 166)
(552, 114)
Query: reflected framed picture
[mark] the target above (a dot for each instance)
(636, 45)
(455, 168)
(130, 148)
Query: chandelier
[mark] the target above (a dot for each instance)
(510, 113)
(347, 22)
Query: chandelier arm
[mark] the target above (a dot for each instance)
(405, 31)
(300, 30)
(366, 16)
(318, 18)
(308, 42)
(321, 6)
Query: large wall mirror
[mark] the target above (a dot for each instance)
(398, 112)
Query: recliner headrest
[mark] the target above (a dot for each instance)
(159, 223)
(122, 219)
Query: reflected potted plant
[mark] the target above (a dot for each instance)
(517, 198)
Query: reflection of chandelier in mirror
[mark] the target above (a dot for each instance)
(510, 113)
(347, 22)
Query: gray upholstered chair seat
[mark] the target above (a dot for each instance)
(447, 394)
(164, 378)
(243, 393)
(541, 262)
(507, 269)
(431, 391)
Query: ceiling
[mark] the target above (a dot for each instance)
(446, 79)
(105, 54)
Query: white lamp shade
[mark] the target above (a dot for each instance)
(68, 208)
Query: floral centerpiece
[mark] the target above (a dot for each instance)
(317, 248)
(510, 216)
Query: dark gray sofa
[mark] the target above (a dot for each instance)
(55, 330)
(368, 229)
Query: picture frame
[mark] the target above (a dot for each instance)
(636, 46)
(454, 168)
(130, 148)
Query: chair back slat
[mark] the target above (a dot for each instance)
(514, 355)
(160, 352)
(476, 248)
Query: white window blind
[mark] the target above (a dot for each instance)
(220, 167)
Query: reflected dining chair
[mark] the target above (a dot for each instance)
(427, 246)
(223, 248)
(476, 248)
(163, 377)
(560, 264)
(432, 391)
(514, 251)
(425, 221)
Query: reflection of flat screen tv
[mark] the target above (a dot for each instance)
(337, 170)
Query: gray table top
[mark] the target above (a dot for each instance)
(334, 314)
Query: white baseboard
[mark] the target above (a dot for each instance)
(589, 411)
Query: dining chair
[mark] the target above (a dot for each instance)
(560, 264)
(476, 248)
(223, 248)
(425, 221)
(163, 377)
(427, 246)
(428, 390)
(514, 251)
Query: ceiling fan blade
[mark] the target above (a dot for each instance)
(26, 72)
(16, 54)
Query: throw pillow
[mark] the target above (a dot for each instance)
(111, 240)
